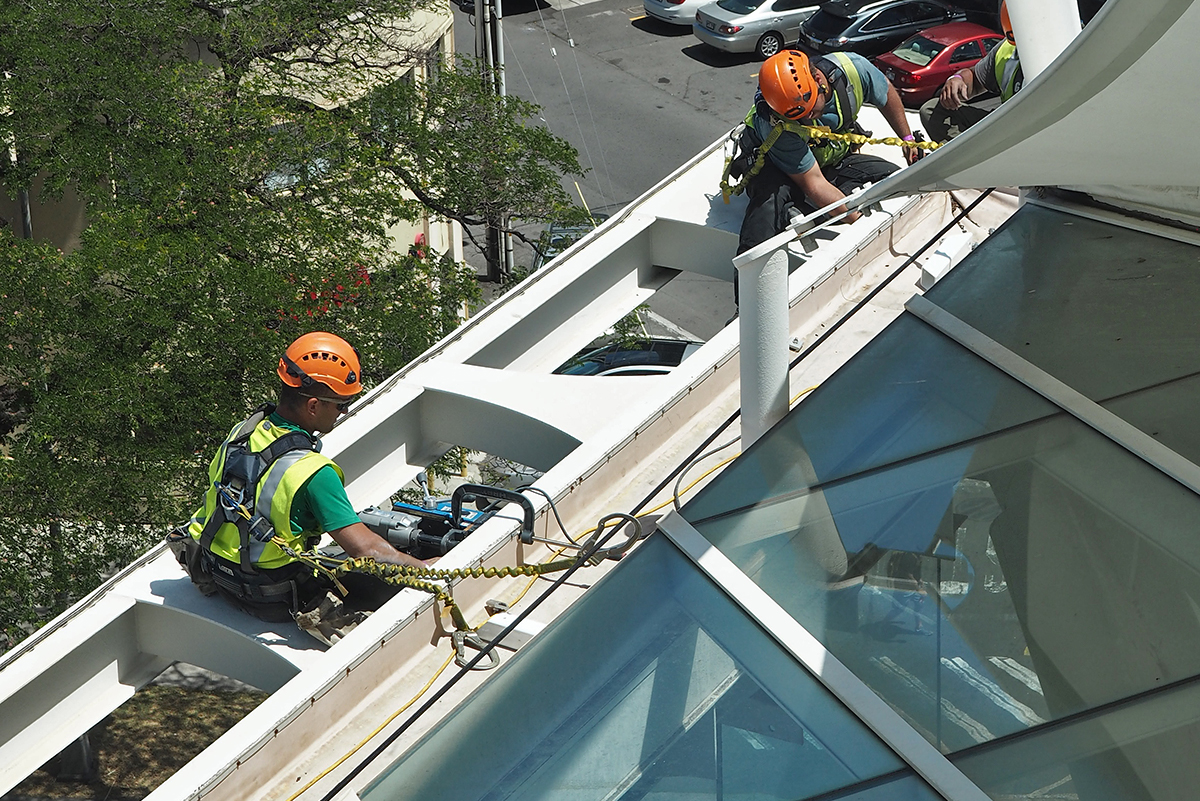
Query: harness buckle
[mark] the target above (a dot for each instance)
(232, 505)
(261, 529)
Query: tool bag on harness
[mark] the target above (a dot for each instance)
(274, 594)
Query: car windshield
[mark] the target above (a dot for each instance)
(918, 50)
(557, 238)
(667, 353)
(738, 6)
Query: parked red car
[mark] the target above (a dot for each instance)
(922, 63)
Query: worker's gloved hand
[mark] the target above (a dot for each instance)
(329, 620)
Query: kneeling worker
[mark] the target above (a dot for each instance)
(269, 479)
(828, 92)
(998, 73)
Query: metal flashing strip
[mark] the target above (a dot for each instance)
(1072, 401)
(942, 775)
(1114, 216)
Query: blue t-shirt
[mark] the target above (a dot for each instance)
(790, 152)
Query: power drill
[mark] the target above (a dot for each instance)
(404, 532)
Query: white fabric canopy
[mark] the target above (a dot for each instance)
(1113, 115)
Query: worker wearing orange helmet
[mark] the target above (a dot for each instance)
(997, 76)
(269, 479)
(828, 91)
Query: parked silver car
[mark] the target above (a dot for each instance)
(762, 27)
(675, 12)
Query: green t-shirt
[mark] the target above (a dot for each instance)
(321, 503)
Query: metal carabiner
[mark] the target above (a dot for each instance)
(461, 640)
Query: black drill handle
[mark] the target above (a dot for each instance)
(496, 493)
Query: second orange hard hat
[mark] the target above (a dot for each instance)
(787, 84)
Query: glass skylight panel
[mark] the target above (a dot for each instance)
(1167, 412)
(653, 685)
(1106, 310)
(989, 588)
(910, 391)
(1141, 751)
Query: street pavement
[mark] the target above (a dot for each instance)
(636, 98)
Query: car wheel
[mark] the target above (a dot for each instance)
(768, 45)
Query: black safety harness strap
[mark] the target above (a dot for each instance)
(240, 473)
(254, 589)
(840, 84)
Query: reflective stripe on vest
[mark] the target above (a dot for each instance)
(1008, 69)
(276, 491)
(847, 102)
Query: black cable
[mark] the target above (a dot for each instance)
(582, 559)
(598, 541)
(920, 252)
(553, 508)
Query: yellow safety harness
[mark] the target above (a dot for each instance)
(780, 126)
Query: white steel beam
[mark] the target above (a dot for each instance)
(764, 333)
(1043, 29)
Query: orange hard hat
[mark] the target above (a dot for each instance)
(787, 84)
(321, 358)
(1006, 23)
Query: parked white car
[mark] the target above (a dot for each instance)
(762, 27)
(674, 12)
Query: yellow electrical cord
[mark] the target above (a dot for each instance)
(378, 729)
(515, 601)
(797, 396)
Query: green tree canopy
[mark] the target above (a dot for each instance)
(240, 163)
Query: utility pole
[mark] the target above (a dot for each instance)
(489, 49)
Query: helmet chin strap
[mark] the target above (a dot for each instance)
(296, 371)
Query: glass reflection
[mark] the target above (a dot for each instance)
(910, 391)
(985, 589)
(1139, 751)
(653, 685)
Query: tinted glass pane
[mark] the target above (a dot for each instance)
(888, 18)
(918, 50)
(1145, 751)
(966, 52)
(1167, 412)
(825, 23)
(1097, 306)
(653, 685)
(926, 12)
(739, 6)
(988, 588)
(910, 391)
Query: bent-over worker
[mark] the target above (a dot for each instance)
(998, 73)
(829, 91)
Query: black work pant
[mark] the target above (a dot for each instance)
(364, 593)
(772, 195)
